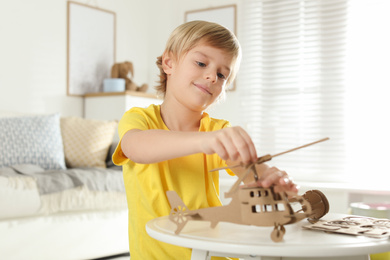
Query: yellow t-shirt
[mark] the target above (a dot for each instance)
(146, 184)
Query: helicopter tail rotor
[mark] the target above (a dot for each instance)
(179, 214)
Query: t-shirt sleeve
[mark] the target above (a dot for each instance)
(132, 119)
(230, 172)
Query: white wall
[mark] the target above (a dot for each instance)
(33, 49)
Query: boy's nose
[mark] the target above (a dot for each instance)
(212, 76)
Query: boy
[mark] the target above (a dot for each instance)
(175, 145)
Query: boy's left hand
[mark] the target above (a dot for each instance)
(273, 176)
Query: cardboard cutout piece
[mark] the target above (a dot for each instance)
(354, 225)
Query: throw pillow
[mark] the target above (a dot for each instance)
(86, 141)
(32, 140)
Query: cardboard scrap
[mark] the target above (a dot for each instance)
(354, 225)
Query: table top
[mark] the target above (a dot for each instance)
(253, 240)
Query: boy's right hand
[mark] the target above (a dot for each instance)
(232, 143)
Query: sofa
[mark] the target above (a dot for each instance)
(60, 195)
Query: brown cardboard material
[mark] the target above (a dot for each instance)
(255, 205)
(354, 225)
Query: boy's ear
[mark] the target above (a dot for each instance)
(167, 63)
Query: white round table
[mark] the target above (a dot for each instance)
(252, 242)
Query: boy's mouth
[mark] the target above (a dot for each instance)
(203, 88)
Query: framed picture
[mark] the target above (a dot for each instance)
(91, 48)
(223, 15)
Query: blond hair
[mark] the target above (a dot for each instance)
(186, 36)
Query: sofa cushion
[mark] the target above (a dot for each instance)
(86, 141)
(19, 196)
(32, 140)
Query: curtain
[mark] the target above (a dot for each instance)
(306, 73)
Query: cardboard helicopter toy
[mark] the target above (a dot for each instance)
(255, 205)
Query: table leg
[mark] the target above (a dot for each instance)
(204, 255)
(356, 257)
(261, 258)
(199, 254)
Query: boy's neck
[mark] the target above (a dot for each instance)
(179, 118)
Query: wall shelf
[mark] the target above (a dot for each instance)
(127, 92)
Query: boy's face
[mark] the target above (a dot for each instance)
(198, 78)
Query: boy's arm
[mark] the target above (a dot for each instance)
(152, 146)
(231, 144)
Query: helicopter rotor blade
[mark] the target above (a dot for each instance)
(268, 157)
(300, 147)
(239, 180)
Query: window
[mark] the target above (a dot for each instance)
(368, 91)
(306, 79)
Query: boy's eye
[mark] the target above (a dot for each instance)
(201, 64)
(221, 76)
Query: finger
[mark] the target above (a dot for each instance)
(226, 146)
(221, 150)
(250, 145)
(285, 180)
(291, 188)
(234, 144)
(244, 145)
(287, 185)
(273, 176)
(215, 145)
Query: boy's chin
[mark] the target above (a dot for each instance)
(201, 104)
